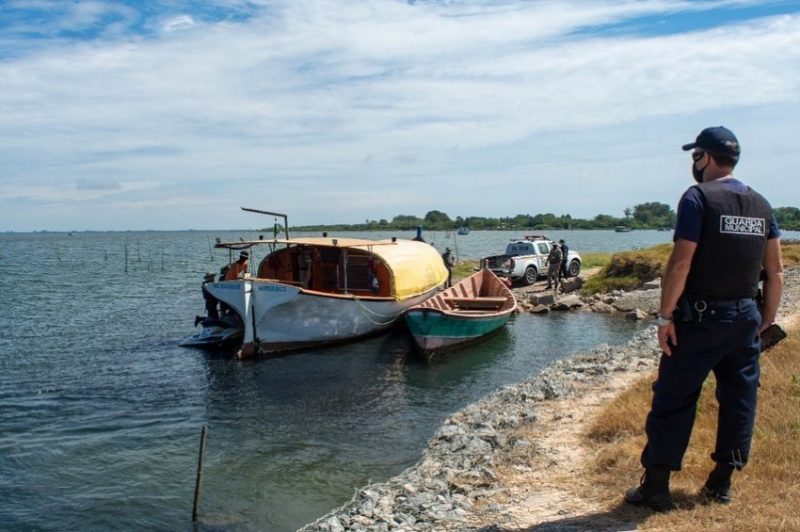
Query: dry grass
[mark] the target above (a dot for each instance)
(765, 492)
(791, 252)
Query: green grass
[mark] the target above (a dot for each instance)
(628, 270)
(594, 259)
(464, 268)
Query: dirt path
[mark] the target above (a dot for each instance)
(557, 492)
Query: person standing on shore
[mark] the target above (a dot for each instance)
(724, 237)
(564, 266)
(554, 266)
(449, 261)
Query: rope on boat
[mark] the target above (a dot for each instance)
(367, 312)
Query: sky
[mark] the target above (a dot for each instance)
(174, 114)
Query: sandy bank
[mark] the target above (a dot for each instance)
(509, 460)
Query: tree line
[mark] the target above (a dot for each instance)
(651, 215)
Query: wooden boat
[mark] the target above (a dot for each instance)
(314, 291)
(622, 229)
(470, 309)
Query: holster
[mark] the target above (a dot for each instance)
(683, 310)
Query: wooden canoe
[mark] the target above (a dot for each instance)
(469, 310)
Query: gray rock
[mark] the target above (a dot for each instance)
(571, 285)
(568, 303)
(540, 309)
(602, 308)
(636, 314)
(542, 299)
(652, 285)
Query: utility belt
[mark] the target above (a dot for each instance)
(697, 307)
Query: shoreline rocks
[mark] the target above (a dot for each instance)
(637, 304)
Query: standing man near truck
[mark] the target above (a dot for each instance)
(554, 266)
(564, 260)
(725, 236)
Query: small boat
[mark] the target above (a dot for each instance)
(217, 333)
(622, 229)
(461, 231)
(315, 291)
(470, 309)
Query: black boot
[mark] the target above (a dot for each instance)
(718, 486)
(653, 491)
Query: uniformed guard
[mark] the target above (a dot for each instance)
(724, 237)
(564, 264)
(554, 259)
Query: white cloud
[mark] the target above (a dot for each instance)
(178, 23)
(421, 104)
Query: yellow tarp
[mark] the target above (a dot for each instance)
(416, 267)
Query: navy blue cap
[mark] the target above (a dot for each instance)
(719, 140)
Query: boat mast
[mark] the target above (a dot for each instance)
(285, 218)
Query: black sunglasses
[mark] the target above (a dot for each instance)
(697, 155)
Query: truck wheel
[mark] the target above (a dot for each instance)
(530, 275)
(574, 268)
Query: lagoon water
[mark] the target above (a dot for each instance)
(101, 411)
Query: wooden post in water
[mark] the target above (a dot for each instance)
(199, 479)
(126, 256)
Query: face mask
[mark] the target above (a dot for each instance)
(698, 174)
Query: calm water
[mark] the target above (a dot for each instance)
(100, 410)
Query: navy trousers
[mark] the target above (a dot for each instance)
(724, 340)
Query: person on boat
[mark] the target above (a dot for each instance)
(554, 266)
(449, 261)
(372, 275)
(419, 238)
(238, 268)
(212, 303)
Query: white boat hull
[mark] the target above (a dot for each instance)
(280, 317)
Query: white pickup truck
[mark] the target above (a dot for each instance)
(526, 258)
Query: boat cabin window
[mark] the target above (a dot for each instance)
(328, 269)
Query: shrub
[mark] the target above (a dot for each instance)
(628, 270)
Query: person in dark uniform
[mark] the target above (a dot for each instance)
(554, 259)
(212, 303)
(419, 238)
(709, 320)
(564, 264)
(449, 261)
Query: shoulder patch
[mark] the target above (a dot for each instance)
(742, 225)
